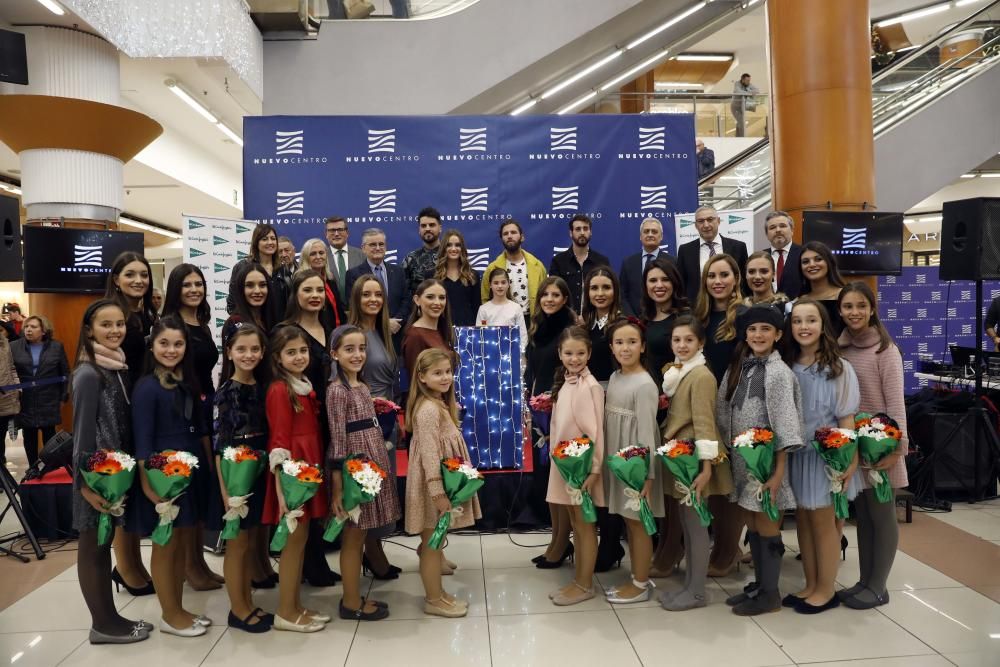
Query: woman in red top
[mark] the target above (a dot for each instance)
(292, 415)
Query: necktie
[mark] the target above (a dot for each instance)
(646, 260)
(711, 249)
(341, 273)
(781, 266)
(381, 277)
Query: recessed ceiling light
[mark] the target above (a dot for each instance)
(189, 100)
(582, 73)
(920, 13)
(644, 65)
(524, 107)
(573, 106)
(699, 57)
(52, 6)
(675, 20)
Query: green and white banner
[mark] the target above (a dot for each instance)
(733, 224)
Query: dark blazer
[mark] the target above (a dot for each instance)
(630, 278)
(565, 266)
(791, 277)
(399, 297)
(40, 405)
(690, 268)
(355, 257)
(706, 162)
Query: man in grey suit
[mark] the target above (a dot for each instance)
(341, 257)
(630, 276)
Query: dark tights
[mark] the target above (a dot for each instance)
(93, 567)
(31, 445)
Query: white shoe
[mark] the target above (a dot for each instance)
(196, 629)
(203, 620)
(647, 592)
(308, 626)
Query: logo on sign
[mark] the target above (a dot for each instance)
(382, 141)
(290, 203)
(475, 199)
(967, 329)
(241, 254)
(218, 240)
(472, 139)
(288, 142)
(479, 258)
(855, 239)
(382, 201)
(937, 330)
(953, 312)
(891, 314)
(87, 257)
(391, 257)
(196, 253)
(653, 197)
(557, 249)
(921, 278)
(907, 329)
(192, 224)
(243, 229)
(921, 312)
(219, 268)
(562, 139)
(652, 138)
(566, 198)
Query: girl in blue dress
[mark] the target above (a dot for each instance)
(166, 416)
(830, 397)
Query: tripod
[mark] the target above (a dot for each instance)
(10, 489)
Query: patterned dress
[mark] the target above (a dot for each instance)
(240, 421)
(768, 397)
(348, 404)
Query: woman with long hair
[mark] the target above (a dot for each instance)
(264, 253)
(759, 277)
(460, 280)
(429, 324)
(821, 281)
(314, 257)
(601, 307)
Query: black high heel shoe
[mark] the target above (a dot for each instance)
(134, 592)
(609, 558)
(552, 565)
(392, 572)
(843, 547)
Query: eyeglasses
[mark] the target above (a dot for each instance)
(374, 244)
(337, 230)
(701, 220)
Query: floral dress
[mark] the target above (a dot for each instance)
(240, 421)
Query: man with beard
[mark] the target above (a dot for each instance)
(778, 227)
(574, 263)
(525, 270)
(419, 264)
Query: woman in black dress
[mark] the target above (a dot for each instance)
(264, 252)
(461, 282)
(821, 280)
(185, 299)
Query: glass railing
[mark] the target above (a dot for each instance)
(899, 90)
(715, 115)
(387, 9)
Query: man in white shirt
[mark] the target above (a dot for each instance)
(693, 255)
(779, 226)
(341, 257)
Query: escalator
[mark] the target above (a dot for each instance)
(935, 116)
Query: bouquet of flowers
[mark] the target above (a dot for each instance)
(109, 473)
(385, 412)
(573, 459)
(169, 475)
(631, 466)
(836, 446)
(461, 482)
(362, 481)
(756, 446)
(681, 459)
(240, 467)
(541, 415)
(878, 436)
(300, 481)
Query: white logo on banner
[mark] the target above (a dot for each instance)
(953, 312)
(556, 250)
(653, 197)
(382, 141)
(652, 138)
(288, 143)
(921, 312)
(290, 203)
(562, 139)
(475, 199)
(382, 201)
(391, 257)
(87, 256)
(855, 239)
(907, 329)
(921, 278)
(566, 199)
(966, 329)
(891, 314)
(473, 139)
(965, 295)
(937, 330)
(479, 258)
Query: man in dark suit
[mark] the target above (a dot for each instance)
(778, 226)
(630, 276)
(393, 280)
(693, 255)
(340, 257)
(706, 159)
(574, 263)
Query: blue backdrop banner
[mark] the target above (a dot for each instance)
(379, 171)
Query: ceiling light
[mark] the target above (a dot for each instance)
(995, 174)
(677, 85)
(524, 107)
(176, 89)
(969, 175)
(237, 139)
(52, 6)
(582, 73)
(920, 13)
(677, 19)
(580, 102)
(644, 65)
(963, 3)
(704, 58)
(122, 220)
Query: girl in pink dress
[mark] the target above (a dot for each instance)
(577, 410)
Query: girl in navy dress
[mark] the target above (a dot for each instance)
(165, 416)
(240, 421)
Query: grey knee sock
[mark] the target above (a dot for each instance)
(769, 567)
(696, 550)
(755, 551)
(866, 535)
(886, 540)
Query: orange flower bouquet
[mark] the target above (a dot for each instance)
(109, 473)
(681, 459)
(461, 482)
(362, 481)
(756, 447)
(299, 481)
(878, 436)
(169, 473)
(572, 458)
(240, 467)
(837, 447)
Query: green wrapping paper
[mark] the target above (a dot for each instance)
(873, 450)
(170, 488)
(633, 471)
(296, 493)
(112, 488)
(239, 479)
(353, 497)
(459, 488)
(837, 460)
(759, 459)
(685, 467)
(574, 471)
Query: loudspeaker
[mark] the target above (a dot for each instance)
(13, 57)
(970, 239)
(11, 269)
(954, 466)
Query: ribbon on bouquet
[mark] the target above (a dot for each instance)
(238, 508)
(117, 508)
(575, 495)
(688, 498)
(168, 511)
(875, 477)
(292, 518)
(756, 488)
(634, 501)
(836, 484)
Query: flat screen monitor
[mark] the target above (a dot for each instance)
(864, 243)
(13, 57)
(965, 356)
(72, 260)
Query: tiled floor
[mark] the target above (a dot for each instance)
(933, 620)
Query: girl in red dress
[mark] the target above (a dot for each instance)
(292, 416)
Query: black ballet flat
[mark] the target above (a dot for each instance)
(260, 627)
(391, 572)
(360, 615)
(791, 600)
(803, 607)
(116, 577)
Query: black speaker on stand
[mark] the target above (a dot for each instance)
(970, 250)
(11, 269)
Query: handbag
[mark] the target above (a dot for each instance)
(358, 9)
